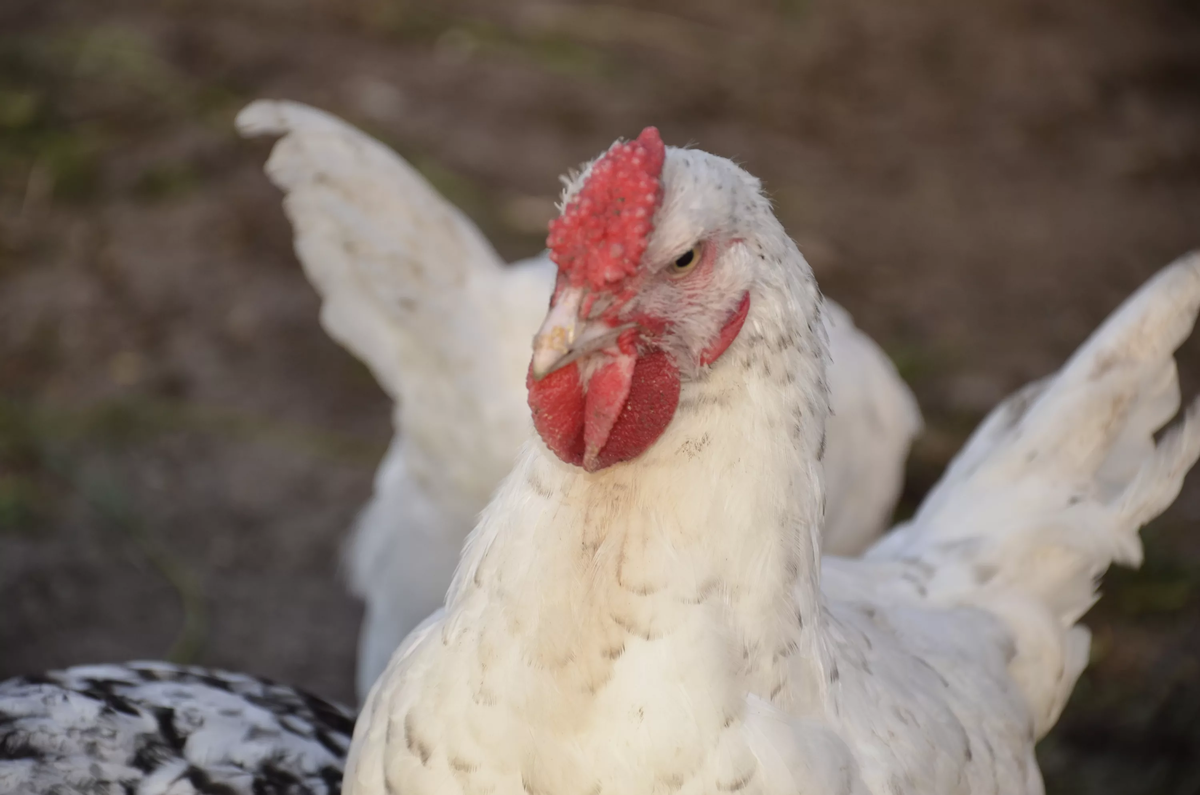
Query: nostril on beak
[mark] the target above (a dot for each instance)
(558, 332)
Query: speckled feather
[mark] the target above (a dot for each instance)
(412, 288)
(158, 729)
(666, 625)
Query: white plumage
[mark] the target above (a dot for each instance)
(666, 625)
(153, 728)
(413, 289)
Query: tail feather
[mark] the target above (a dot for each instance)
(1055, 484)
(388, 254)
(414, 290)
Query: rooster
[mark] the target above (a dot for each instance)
(643, 606)
(414, 290)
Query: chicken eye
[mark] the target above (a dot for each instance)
(685, 261)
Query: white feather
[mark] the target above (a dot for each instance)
(1057, 481)
(873, 418)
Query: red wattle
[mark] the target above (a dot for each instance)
(607, 391)
(653, 397)
(728, 333)
(557, 404)
(623, 412)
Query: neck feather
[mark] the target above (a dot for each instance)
(714, 529)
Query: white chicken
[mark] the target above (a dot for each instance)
(414, 290)
(643, 608)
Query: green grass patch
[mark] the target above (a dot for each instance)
(166, 180)
(21, 504)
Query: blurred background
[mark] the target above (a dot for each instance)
(182, 449)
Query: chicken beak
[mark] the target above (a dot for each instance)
(565, 337)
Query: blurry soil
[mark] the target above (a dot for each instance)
(182, 448)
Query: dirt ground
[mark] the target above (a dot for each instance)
(182, 448)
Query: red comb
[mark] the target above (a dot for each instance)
(600, 237)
